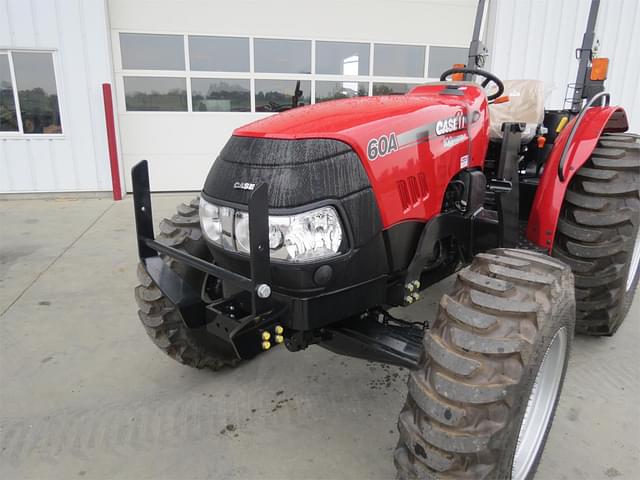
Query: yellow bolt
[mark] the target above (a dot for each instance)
(279, 338)
(266, 345)
(279, 330)
(266, 335)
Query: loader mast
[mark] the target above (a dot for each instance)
(477, 50)
(585, 87)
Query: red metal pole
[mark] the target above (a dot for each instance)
(111, 139)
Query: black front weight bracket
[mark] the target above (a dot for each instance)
(224, 317)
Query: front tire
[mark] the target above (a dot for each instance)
(161, 318)
(500, 342)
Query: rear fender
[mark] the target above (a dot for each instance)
(543, 220)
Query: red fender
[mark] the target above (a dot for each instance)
(543, 219)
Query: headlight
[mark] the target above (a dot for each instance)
(210, 221)
(303, 237)
(306, 236)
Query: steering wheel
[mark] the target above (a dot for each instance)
(488, 78)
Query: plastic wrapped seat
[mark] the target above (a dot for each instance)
(525, 105)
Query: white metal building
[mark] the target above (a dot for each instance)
(186, 73)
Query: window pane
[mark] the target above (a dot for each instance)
(219, 54)
(443, 58)
(277, 95)
(37, 94)
(282, 56)
(152, 52)
(337, 58)
(335, 90)
(8, 117)
(220, 95)
(155, 94)
(392, 88)
(398, 60)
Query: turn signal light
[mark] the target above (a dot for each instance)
(502, 99)
(599, 68)
(458, 77)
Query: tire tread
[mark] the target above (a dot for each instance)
(598, 221)
(462, 414)
(161, 319)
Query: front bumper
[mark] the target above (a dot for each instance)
(242, 318)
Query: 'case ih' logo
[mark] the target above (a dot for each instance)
(244, 186)
(451, 124)
(379, 147)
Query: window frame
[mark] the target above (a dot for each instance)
(188, 51)
(369, 48)
(312, 46)
(178, 77)
(220, 111)
(56, 74)
(177, 35)
(252, 75)
(426, 62)
(279, 78)
(401, 44)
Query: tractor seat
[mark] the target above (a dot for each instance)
(525, 105)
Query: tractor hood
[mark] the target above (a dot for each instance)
(357, 149)
(334, 117)
(341, 119)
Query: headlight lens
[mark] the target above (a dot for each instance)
(308, 236)
(242, 232)
(210, 221)
(303, 237)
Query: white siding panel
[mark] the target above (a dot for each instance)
(66, 175)
(18, 173)
(538, 39)
(20, 15)
(98, 68)
(417, 21)
(42, 170)
(79, 119)
(76, 31)
(5, 23)
(4, 170)
(45, 25)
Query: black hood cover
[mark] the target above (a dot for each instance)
(298, 172)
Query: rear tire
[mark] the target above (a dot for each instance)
(597, 231)
(160, 317)
(468, 398)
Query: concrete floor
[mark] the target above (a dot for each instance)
(86, 395)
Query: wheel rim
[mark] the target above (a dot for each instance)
(635, 261)
(542, 400)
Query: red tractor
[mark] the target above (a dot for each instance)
(314, 222)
